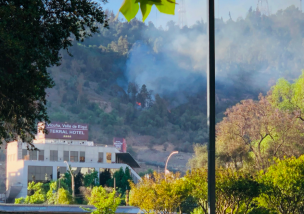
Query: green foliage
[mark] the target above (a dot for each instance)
(64, 197)
(38, 196)
(122, 179)
(58, 196)
(30, 43)
(130, 8)
(160, 193)
(283, 186)
(236, 191)
(104, 202)
(288, 96)
(200, 157)
(91, 179)
(104, 177)
(46, 193)
(104, 58)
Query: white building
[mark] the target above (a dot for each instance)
(47, 163)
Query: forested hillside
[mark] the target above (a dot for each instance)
(148, 84)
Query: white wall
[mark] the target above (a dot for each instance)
(91, 152)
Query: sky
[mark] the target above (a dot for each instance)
(196, 9)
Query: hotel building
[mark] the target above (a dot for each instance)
(65, 144)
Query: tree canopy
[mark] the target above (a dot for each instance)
(31, 35)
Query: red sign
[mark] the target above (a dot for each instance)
(71, 131)
(120, 144)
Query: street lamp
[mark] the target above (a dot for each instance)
(172, 153)
(72, 177)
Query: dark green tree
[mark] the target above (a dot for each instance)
(91, 179)
(132, 91)
(104, 177)
(32, 32)
(121, 180)
(143, 96)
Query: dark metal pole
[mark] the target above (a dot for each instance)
(211, 106)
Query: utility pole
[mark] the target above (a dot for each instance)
(211, 106)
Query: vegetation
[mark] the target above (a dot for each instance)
(122, 179)
(282, 186)
(45, 193)
(60, 191)
(160, 193)
(259, 161)
(31, 39)
(104, 202)
(130, 7)
(279, 189)
(98, 85)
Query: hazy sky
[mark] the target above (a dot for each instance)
(196, 9)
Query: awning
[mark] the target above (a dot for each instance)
(127, 159)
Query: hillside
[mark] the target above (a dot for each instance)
(148, 85)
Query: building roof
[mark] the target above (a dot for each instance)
(127, 159)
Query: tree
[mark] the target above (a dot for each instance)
(105, 203)
(143, 96)
(31, 35)
(122, 178)
(132, 92)
(58, 196)
(46, 193)
(200, 158)
(290, 97)
(283, 186)
(38, 197)
(104, 177)
(198, 180)
(160, 194)
(235, 190)
(91, 179)
(256, 132)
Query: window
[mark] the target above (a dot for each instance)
(82, 156)
(33, 155)
(100, 157)
(40, 173)
(41, 155)
(53, 155)
(74, 156)
(109, 157)
(24, 154)
(66, 156)
(60, 171)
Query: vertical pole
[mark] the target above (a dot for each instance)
(73, 186)
(211, 106)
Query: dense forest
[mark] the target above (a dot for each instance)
(134, 79)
